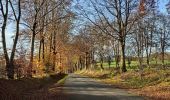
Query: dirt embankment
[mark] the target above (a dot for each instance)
(46, 88)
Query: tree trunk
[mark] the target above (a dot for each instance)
(11, 63)
(10, 70)
(50, 50)
(163, 47)
(43, 54)
(101, 62)
(123, 57)
(42, 45)
(54, 51)
(29, 73)
(148, 62)
(80, 62)
(86, 60)
(39, 53)
(163, 57)
(8, 67)
(54, 61)
(10, 73)
(147, 52)
(117, 61)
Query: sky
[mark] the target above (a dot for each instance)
(11, 29)
(162, 4)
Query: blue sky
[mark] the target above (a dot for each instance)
(162, 4)
(11, 29)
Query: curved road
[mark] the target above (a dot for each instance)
(78, 87)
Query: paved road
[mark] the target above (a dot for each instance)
(83, 88)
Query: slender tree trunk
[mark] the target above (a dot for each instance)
(43, 54)
(150, 50)
(54, 51)
(147, 58)
(51, 39)
(147, 50)
(101, 62)
(91, 59)
(31, 56)
(163, 54)
(140, 57)
(39, 53)
(116, 61)
(54, 62)
(80, 62)
(9, 71)
(123, 57)
(163, 47)
(101, 65)
(29, 73)
(116, 53)
(146, 44)
(60, 63)
(86, 60)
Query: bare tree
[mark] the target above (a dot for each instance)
(17, 17)
(122, 18)
(35, 21)
(163, 36)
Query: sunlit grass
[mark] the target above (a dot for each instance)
(152, 83)
(135, 64)
(61, 82)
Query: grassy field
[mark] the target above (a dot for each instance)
(134, 64)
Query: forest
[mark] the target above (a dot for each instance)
(46, 43)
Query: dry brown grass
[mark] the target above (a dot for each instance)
(157, 92)
(154, 84)
(31, 89)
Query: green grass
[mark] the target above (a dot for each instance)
(61, 82)
(105, 64)
(160, 62)
(134, 64)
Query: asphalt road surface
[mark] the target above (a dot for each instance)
(78, 87)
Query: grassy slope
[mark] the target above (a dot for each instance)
(34, 88)
(154, 84)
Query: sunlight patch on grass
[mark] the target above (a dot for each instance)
(61, 82)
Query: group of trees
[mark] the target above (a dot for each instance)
(122, 29)
(42, 24)
(131, 28)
